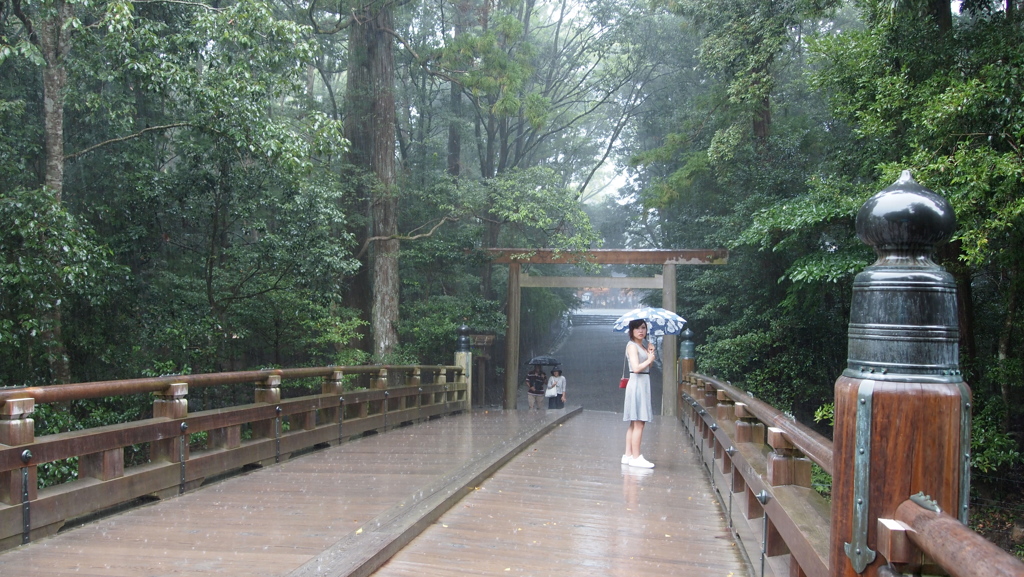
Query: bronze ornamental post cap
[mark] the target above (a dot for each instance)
(905, 215)
(903, 316)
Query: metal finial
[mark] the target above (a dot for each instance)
(903, 316)
(462, 345)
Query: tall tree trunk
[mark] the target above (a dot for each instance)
(357, 132)
(941, 11)
(454, 130)
(385, 204)
(372, 74)
(53, 39)
(487, 149)
(455, 102)
(762, 124)
(1003, 352)
(763, 121)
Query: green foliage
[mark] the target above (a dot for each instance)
(937, 103)
(826, 414)
(429, 327)
(329, 331)
(48, 258)
(495, 62)
(540, 211)
(992, 449)
(821, 481)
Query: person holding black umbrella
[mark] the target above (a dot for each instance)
(535, 381)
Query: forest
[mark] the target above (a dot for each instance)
(211, 185)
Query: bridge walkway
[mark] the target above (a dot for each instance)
(491, 492)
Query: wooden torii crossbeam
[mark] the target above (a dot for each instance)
(667, 258)
(609, 256)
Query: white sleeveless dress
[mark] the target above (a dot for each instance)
(637, 406)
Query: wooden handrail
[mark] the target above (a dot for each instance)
(762, 482)
(101, 389)
(954, 546)
(811, 443)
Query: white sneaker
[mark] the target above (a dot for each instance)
(625, 459)
(641, 462)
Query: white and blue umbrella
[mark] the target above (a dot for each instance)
(660, 322)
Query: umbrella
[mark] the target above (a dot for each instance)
(543, 360)
(661, 321)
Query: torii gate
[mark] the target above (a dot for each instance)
(666, 282)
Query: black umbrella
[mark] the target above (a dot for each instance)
(543, 360)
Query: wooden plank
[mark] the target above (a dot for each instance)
(562, 506)
(566, 507)
(274, 519)
(360, 553)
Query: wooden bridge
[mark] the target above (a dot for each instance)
(481, 492)
(409, 480)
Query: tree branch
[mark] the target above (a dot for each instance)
(25, 21)
(366, 245)
(186, 3)
(340, 25)
(404, 43)
(124, 138)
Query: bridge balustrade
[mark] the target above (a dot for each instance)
(759, 460)
(268, 430)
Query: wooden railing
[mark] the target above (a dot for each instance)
(266, 431)
(759, 461)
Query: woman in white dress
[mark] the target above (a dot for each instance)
(637, 408)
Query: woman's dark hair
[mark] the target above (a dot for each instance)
(634, 324)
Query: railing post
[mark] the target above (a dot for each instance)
(786, 464)
(464, 359)
(381, 381)
(512, 339)
(442, 379)
(687, 365)
(171, 403)
(17, 428)
(668, 343)
(902, 410)
(267, 392)
(332, 387)
(416, 380)
(697, 391)
(725, 410)
(711, 399)
(748, 428)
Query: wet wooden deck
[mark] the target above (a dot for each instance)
(486, 493)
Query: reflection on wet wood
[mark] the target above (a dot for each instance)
(567, 507)
(271, 520)
(563, 506)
